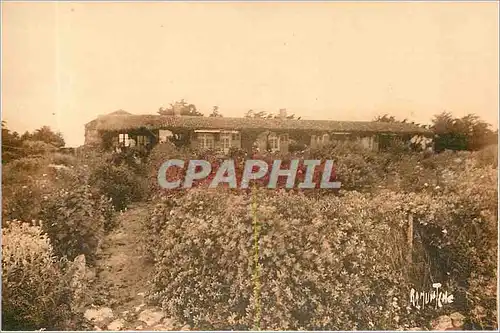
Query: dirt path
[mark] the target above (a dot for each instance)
(121, 267)
(121, 277)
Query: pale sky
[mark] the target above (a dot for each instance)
(65, 63)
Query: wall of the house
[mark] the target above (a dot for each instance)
(372, 142)
(368, 141)
(92, 137)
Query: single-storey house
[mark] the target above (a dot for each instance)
(121, 128)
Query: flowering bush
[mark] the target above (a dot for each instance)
(22, 190)
(64, 159)
(356, 168)
(36, 290)
(159, 155)
(455, 228)
(118, 182)
(325, 265)
(74, 219)
(37, 148)
(202, 244)
(21, 202)
(488, 156)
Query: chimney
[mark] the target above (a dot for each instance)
(282, 114)
(177, 109)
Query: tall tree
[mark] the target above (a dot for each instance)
(185, 109)
(388, 119)
(45, 134)
(466, 133)
(264, 115)
(11, 144)
(261, 114)
(249, 113)
(215, 112)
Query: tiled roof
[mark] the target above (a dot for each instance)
(128, 122)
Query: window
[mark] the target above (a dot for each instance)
(210, 142)
(142, 140)
(123, 139)
(274, 143)
(235, 136)
(225, 141)
(206, 141)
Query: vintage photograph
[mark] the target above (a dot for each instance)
(249, 166)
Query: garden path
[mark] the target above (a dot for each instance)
(121, 278)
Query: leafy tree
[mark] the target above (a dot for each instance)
(388, 119)
(466, 133)
(11, 144)
(39, 142)
(26, 136)
(264, 115)
(37, 148)
(249, 114)
(261, 114)
(185, 109)
(45, 134)
(215, 112)
(292, 116)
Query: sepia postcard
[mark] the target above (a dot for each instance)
(249, 166)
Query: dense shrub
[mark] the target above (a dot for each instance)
(21, 192)
(356, 168)
(132, 157)
(107, 210)
(64, 159)
(237, 153)
(74, 219)
(152, 228)
(21, 202)
(465, 246)
(118, 182)
(36, 287)
(202, 244)
(488, 156)
(159, 155)
(456, 225)
(323, 265)
(28, 180)
(24, 165)
(37, 148)
(296, 147)
(455, 230)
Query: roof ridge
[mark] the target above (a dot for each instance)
(152, 121)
